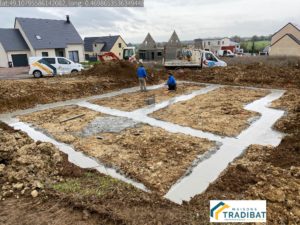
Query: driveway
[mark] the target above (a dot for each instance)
(15, 73)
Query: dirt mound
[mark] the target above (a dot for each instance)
(288, 152)
(120, 70)
(81, 197)
(25, 165)
(255, 74)
(22, 94)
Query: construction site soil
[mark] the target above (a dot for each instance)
(137, 100)
(97, 80)
(256, 75)
(220, 111)
(39, 186)
(150, 155)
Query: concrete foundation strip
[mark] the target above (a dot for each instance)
(260, 132)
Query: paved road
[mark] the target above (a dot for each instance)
(16, 73)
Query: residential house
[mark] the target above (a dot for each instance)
(149, 50)
(173, 47)
(13, 48)
(94, 46)
(39, 37)
(286, 41)
(216, 44)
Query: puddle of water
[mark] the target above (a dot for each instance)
(77, 158)
(207, 171)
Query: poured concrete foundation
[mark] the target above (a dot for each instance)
(202, 162)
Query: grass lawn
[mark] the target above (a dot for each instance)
(259, 45)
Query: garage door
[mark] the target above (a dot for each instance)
(19, 60)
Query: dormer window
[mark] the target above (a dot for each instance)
(38, 37)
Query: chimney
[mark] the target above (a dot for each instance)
(68, 19)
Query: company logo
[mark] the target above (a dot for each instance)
(217, 209)
(238, 211)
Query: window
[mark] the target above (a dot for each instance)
(63, 61)
(95, 45)
(219, 42)
(74, 56)
(159, 53)
(45, 54)
(222, 42)
(120, 45)
(210, 57)
(128, 53)
(38, 37)
(50, 60)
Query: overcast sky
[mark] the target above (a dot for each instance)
(190, 18)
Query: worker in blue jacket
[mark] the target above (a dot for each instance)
(142, 74)
(171, 82)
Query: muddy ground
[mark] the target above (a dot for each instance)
(272, 174)
(262, 173)
(256, 74)
(98, 80)
(113, 76)
(53, 121)
(220, 111)
(150, 155)
(69, 195)
(137, 100)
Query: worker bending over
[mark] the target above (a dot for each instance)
(171, 82)
(142, 74)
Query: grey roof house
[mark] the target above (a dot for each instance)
(39, 37)
(13, 48)
(94, 46)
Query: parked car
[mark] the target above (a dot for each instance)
(226, 53)
(43, 66)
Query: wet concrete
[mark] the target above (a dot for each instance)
(77, 158)
(73, 102)
(205, 169)
(108, 124)
(140, 115)
(155, 107)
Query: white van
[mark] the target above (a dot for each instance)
(42, 66)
